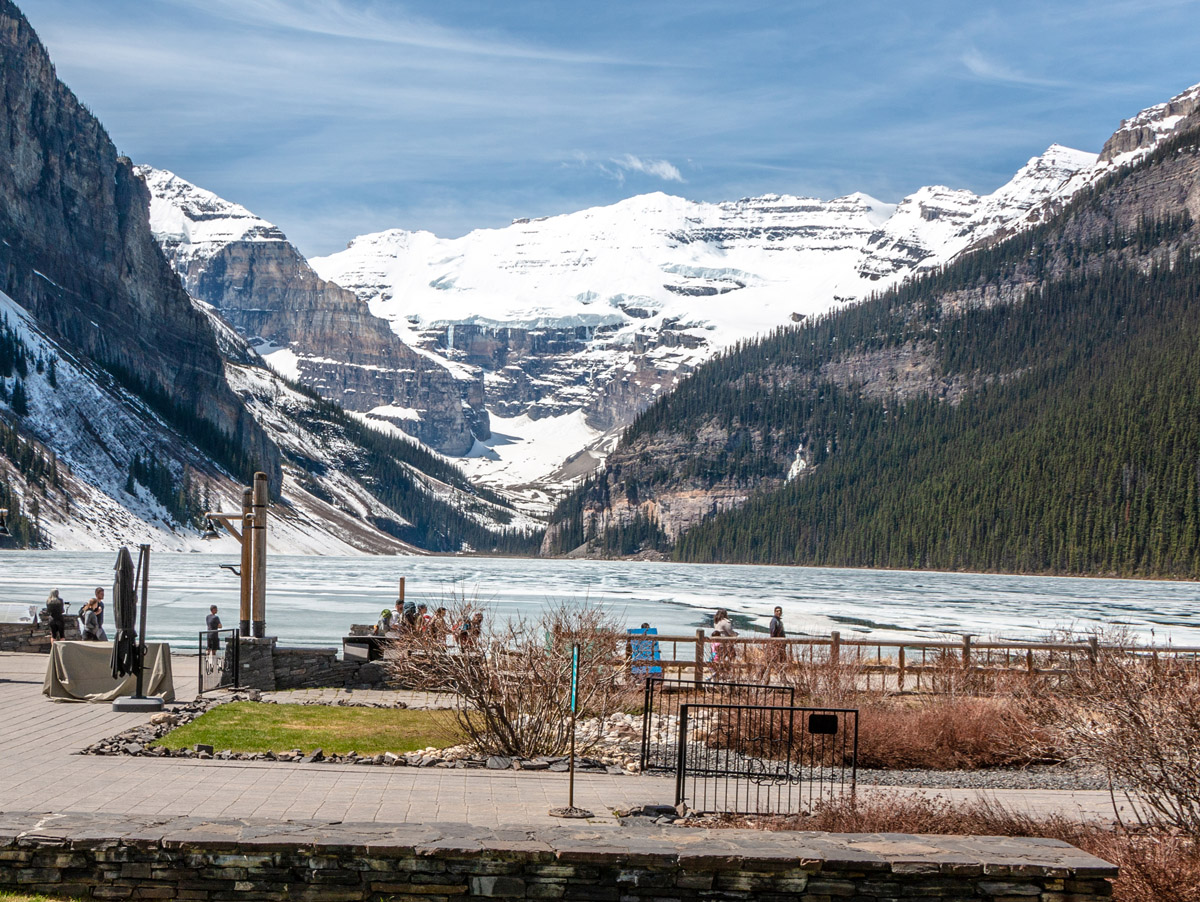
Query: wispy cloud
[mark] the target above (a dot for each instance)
(343, 19)
(660, 169)
(331, 117)
(993, 70)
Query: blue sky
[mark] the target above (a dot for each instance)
(336, 117)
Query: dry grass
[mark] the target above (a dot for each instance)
(950, 733)
(1154, 867)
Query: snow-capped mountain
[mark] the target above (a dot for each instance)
(576, 322)
(602, 310)
(192, 224)
(310, 330)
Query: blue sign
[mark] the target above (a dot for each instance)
(574, 677)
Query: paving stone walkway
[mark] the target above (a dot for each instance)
(40, 771)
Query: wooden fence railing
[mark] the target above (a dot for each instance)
(900, 664)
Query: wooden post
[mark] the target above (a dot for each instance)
(258, 605)
(835, 648)
(966, 651)
(699, 657)
(1029, 661)
(400, 596)
(247, 562)
(900, 671)
(1093, 649)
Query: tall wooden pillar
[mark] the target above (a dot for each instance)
(258, 550)
(247, 561)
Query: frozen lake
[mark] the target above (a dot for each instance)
(313, 600)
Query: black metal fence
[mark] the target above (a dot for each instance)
(764, 759)
(219, 652)
(663, 699)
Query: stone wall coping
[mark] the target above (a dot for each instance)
(694, 848)
(321, 651)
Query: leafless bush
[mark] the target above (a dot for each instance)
(951, 733)
(1138, 718)
(512, 682)
(1154, 867)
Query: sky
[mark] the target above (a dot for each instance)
(333, 118)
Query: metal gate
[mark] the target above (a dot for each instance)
(663, 698)
(764, 759)
(219, 654)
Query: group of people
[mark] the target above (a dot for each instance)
(408, 619)
(723, 629)
(91, 617)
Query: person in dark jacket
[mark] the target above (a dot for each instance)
(775, 628)
(55, 610)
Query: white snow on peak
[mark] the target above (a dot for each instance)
(650, 257)
(934, 224)
(195, 222)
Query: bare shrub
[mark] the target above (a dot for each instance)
(1154, 867)
(1138, 718)
(818, 679)
(950, 733)
(512, 683)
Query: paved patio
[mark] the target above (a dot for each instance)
(40, 771)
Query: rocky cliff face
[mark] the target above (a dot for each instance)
(1145, 130)
(309, 329)
(78, 254)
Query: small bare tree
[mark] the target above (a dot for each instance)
(511, 680)
(1138, 717)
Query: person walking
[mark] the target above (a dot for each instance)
(723, 628)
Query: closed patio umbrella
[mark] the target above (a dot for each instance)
(124, 659)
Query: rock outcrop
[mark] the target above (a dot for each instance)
(77, 252)
(1145, 130)
(309, 329)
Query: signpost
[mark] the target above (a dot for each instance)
(571, 811)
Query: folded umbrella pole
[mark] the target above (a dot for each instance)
(129, 648)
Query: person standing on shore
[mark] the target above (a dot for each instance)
(98, 598)
(775, 627)
(89, 625)
(55, 610)
(213, 622)
(776, 631)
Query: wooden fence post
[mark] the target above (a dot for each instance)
(1093, 649)
(835, 648)
(966, 651)
(900, 671)
(699, 657)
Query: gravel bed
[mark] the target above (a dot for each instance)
(1059, 776)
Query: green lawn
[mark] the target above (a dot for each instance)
(252, 727)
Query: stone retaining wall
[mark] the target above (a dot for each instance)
(29, 638)
(268, 667)
(194, 859)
